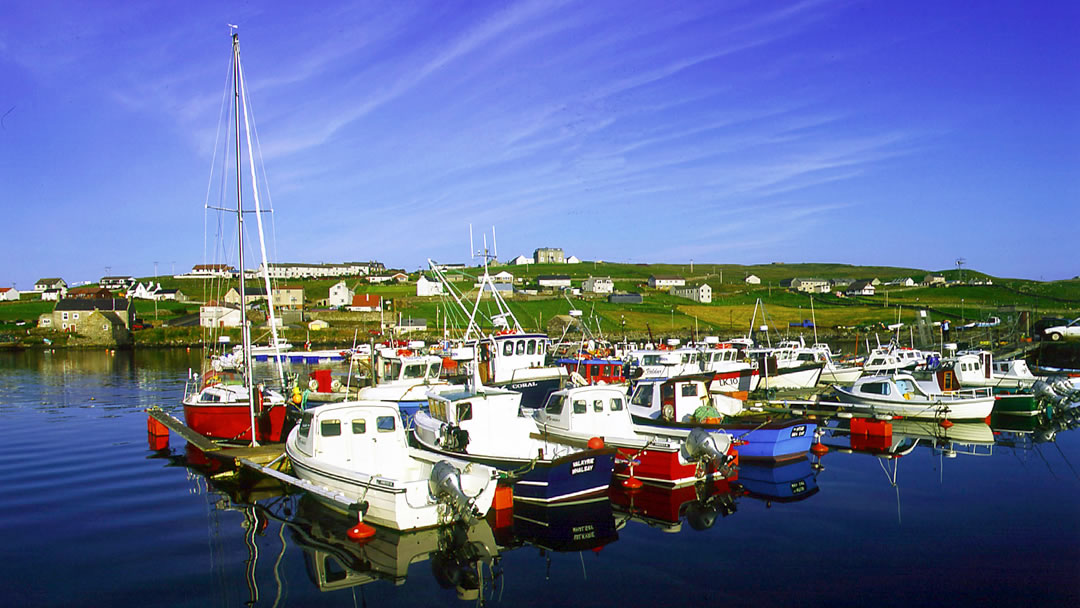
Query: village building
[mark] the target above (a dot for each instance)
(901, 282)
(54, 295)
(807, 285)
(701, 294)
(296, 270)
(251, 295)
(288, 297)
(553, 281)
(752, 279)
(549, 255)
(506, 290)
(70, 313)
(521, 261)
(8, 294)
(89, 292)
(395, 277)
(598, 285)
(934, 280)
(119, 283)
(861, 288)
(206, 271)
(625, 298)
(573, 260)
(318, 325)
(363, 302)
(339, 295)
(665, 281)
(426, 287)
(44, 285)
(408, 326)
(219, 316)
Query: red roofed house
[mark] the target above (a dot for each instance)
(363, 302)
(8, 293)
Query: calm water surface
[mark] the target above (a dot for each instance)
(89, 515)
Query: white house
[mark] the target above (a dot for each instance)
(8, 293)
(904, 282)
(54, 294)
(521, 261)
(752, 279)
(807, 285)
(44, 285)
(861, 288)
(219, 316)
(573, 260)
(363, 302)
(340, 295)
(553, 280)
(425, 287)
(147, 291)
(599, 285)
(502, 277)
(408, 326)
(664, 281)
(698, 293)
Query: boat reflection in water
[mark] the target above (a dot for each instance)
(1027, 432)
(787, 482)
(579, 527)
(666, 508)
(458, 553)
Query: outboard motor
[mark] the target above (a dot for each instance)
(453, 438)
(445, 485)
(703, 445)
(1043, 390)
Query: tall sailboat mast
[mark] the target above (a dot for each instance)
(245, 338)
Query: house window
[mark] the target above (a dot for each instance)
(64, 316)
(65, 326)
(75, 315)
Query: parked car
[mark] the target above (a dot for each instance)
(1038, 328)
(1069, 330)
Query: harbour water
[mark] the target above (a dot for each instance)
(89, 515)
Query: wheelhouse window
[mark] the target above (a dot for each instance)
(642, 395)
(689, 390)
(877, 388)
(330, 428)
(385, 424)
(359, 427)
(434, 369)
(437, 409)
(555, 404)
(305, 425)
(464, 411)
(520, 347)
(531, 348)
(508, 348)
(598, 405)
(579, 406)
(616, 404)
(414, 370)
(390, 370)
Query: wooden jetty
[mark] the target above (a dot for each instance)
(269, 459)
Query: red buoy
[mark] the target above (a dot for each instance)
(819, 449)
(632, 483)
(945, 423)
(360, 532)
(596, 443)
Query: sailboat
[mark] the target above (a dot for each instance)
(229, 405)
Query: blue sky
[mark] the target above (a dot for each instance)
(905, 134)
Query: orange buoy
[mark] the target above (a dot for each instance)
(596, 443)
(819, 449)
(946, 423)
(632, 483)
(360, 532)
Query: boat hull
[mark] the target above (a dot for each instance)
(840, 375)
(534, 391)
(803, 376)
(665, 508)
(791, 482)
(974, 408)
(759, 439)
(665, 468)
(1021, 404)
(232, 422)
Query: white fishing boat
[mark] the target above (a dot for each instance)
(980, 369)
(670, 457)
(405, 377)
(359, 448)
(831, 371)
(901, 394)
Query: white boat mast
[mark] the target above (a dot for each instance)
(245, 337)
(259, 223)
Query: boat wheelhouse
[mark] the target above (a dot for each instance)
(359, 448)
(652, 454)
(595, 371)
(685, 402)
(405, 378)
(489, 426)
(218, 405)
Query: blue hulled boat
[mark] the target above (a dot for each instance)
(684, 402)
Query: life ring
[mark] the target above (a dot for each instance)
(667, 412)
